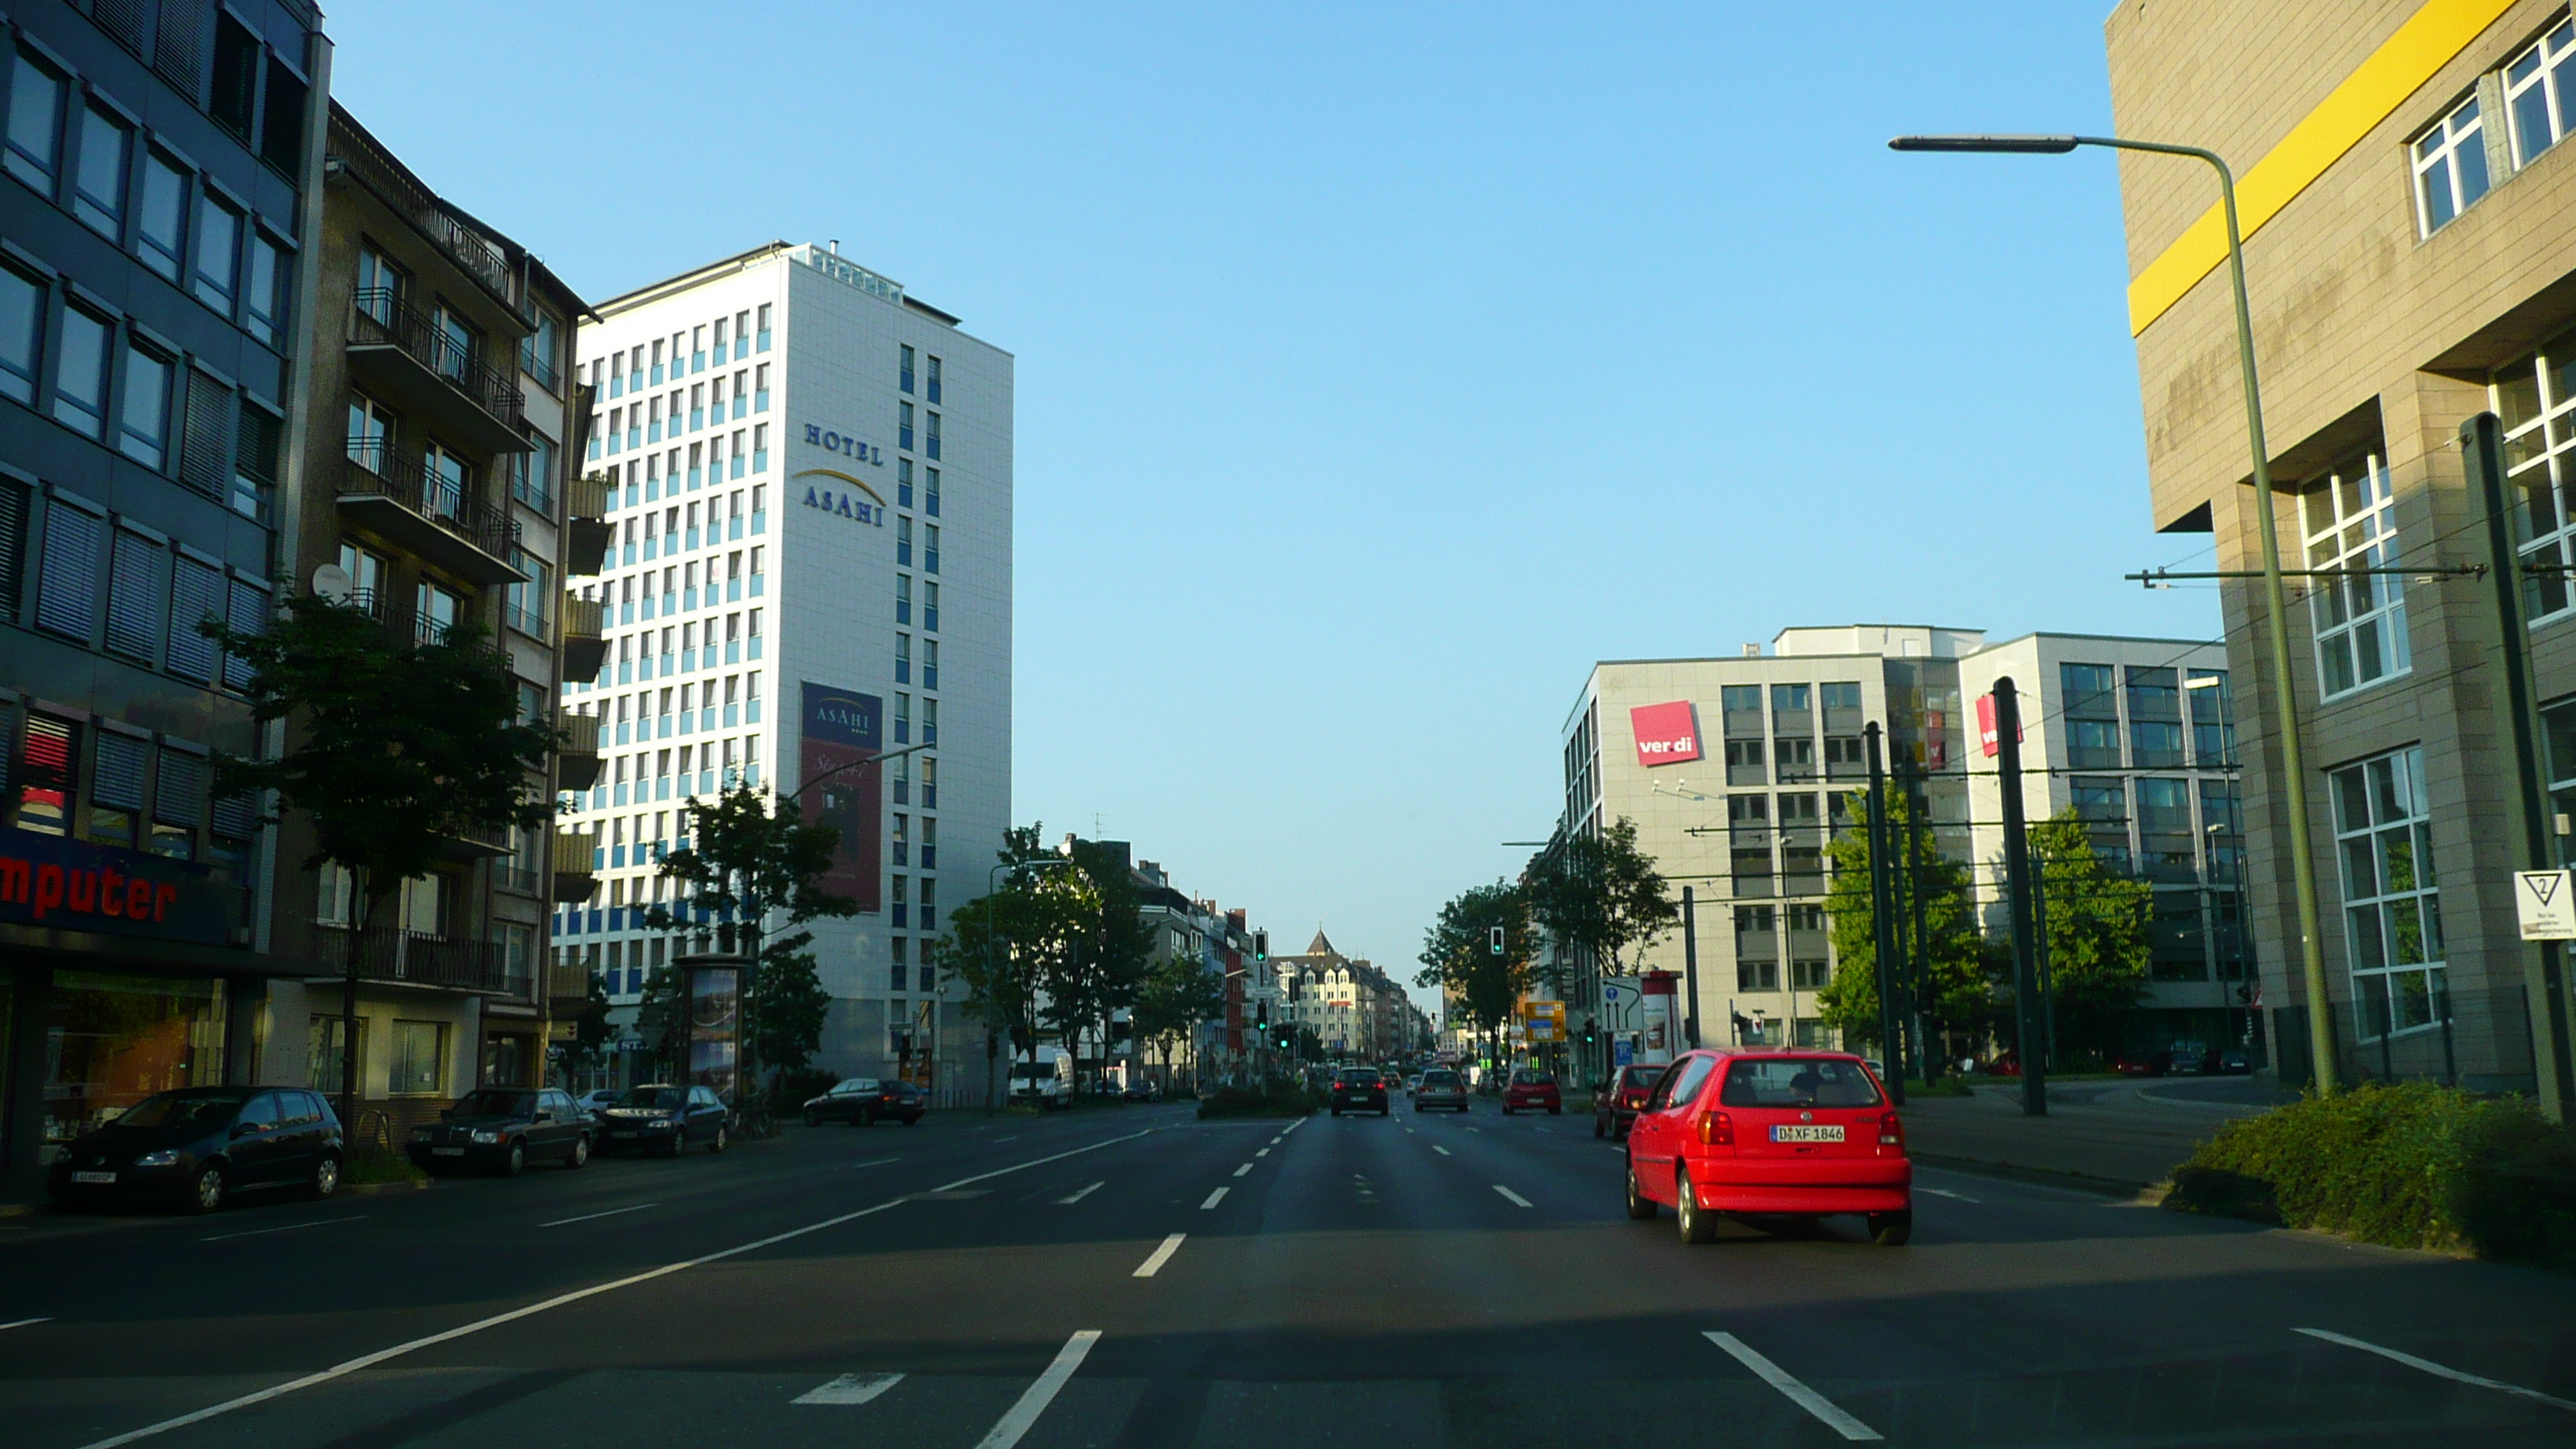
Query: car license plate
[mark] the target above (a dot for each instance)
(1787, 1133)
(97, 1177)
(447, 1152)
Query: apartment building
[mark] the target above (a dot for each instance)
(2409, 267)
(163, 165)
(808, 476)
(1356, 1011)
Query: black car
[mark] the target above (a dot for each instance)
(663, 1118)
(197, 1146)
(865, 1101)
(501, 1128)
(1359, 1089)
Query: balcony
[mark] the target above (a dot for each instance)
(476, 842)
(356, 156)
(391, 954)
(582, 649)
(401, 354)
(577, 760)
(428, 516)
(574, 878)
(587, 530)
(567, 989)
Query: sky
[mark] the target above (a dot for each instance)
(1382, 367)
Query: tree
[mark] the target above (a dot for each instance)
(590, 1033)
(998, 946)
(1959, 990)
(1175, 996)
(2096, 932)
(1112, 945)
(743, 856)
(1599, 893)
(1458, 956)
(394, 748)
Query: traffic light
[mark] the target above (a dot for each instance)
(1261, 946)
(1495, 939)
(1587, 1032)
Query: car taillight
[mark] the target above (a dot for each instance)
(1716, 1129)
(1635, 1099)
(1891, 1131)
(1338, 1084)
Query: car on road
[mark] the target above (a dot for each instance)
(664, 1118)
(599, 1099)
(1359, 1089)
(502, 1129)
(865, 1101)
(1770, 1132)
(1616, 1104)
(196, 1146)
(1443, 1088)
(1045, 1080)
(2235, 1062)
(1531, 1090)
(2186, 1059)
(1140, 1092)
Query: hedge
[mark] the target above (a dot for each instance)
(2407, 1166)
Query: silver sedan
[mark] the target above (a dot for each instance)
(1440, 1089)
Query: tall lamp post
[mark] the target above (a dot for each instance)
(2321, 1048)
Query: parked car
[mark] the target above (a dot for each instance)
(1800, 1133)
(852, 1099)
(2236, 1062)
(1441, 1087)
(196, 1146)
(2186, 1059)
(2132, 1064)
(665, 1118)
(501, 1128)
(1532, 1090)
(1359, 1089)
(1141, 1092)
(599, 1099)
(1616, 1104)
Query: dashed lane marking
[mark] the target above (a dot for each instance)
(1034, 1401)
(849, 1389)
(1953, 1196)
(289, 1228)
(1798, 1393)
(1443, 1151)
(1515, 1199)
(1078, 1196)
(610, 1213)
(1213, 1199)
(1264, 1152)
(1244, 1171)
(2439, 1370)
(22, 1323)
(1154, 1263)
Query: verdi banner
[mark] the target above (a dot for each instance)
(843, 731)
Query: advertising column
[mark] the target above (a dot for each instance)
(1656, 989)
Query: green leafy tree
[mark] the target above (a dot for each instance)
(1599, 893)
(394, 747)
(1458, 956)
(999, 947)
(1959, 990)
(1176, 995)
(590, 1030)
(1113, 945)
(2096, 934)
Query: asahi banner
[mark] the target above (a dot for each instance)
(843, 728)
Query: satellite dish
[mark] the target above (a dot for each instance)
(331, 582)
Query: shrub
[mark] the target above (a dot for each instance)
(2407, 1166)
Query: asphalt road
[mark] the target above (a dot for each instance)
(1135, 1277)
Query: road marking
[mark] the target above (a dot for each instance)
(1443, 1151)
(1264, 1152)
(1799, 1394)
(849, 1389)
(2430, 1367)
(1244, 1171)
(1953, 1196)
(23, 1323)
(1040, 1394)
(289, 1228)
(1213, 1199)
(1154, 1263)
(1515, 1199)
(612, 1212)
(1475, 1129)
(1293, 1126)
(370, 1360)
(876, 1162)
(1079, 1196)
(998, 1141)
(1282, 1137)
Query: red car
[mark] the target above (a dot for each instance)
(1529, 1091)
(1615, 1106)
(1795, 1133)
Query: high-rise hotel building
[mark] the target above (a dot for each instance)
(810, 562)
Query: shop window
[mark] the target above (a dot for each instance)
(114, 1040)
(412, 1065)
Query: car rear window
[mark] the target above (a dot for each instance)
(1797, 1082)
(1361, 1077)
(1439, 1079)
(1527, 1078)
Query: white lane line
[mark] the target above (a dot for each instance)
(1443, 1151)
(612, 1212)
(1244, 1171)
(1154, 1263)
(370, 1360)
(1213, 1199)
(1799, 1394)
(1264, 1152)
(1293, 1126)
(1953, 1196)
(1078, 1196)
(849, 1389)
(22, 1323)
(1475, 1129)
(1040, 1394)
(2430, 1367)
(876, 1162)
(1515, 1199)
(998, 1141)
(289, 1228)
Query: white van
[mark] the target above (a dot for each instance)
(1044, 1078)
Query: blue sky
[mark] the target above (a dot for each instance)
(1381, 367)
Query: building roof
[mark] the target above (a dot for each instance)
(1319, 946)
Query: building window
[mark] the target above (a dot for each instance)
(2536, 399)
(22, 335)
(930, 499)
(412, 1069)
(903, 370)
(219, 229)
(143, 431)
(98, 186)
(2102, 803)
(932, 392)
(164, 215)
(2350, 523)
(2450, 167)
(80, 372)
(1744, 763)
(930, 429)
(2392, 909)
(35, 152)
(903, 425)
(2535, 92)
(2213, 718)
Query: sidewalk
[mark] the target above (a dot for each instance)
(2129, 1134)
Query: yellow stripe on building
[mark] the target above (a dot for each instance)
(2403, 63)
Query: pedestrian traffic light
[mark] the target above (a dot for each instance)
(1495, 940)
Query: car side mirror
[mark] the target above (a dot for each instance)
(244, 1129)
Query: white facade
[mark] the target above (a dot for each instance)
(813, 491)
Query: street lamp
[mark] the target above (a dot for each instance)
(2285, 706)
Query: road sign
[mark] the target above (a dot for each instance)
(2545, 902)
(1610, 995)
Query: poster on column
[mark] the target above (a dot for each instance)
(841, 729)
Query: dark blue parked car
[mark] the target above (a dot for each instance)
(196, 1146)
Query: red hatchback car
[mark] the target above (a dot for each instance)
(1531, 1091)
(1793, 1133)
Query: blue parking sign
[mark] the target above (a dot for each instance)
(1623, 1052)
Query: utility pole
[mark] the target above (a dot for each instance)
(2017, 888)
(1882, 924)
(1690, 964)
(2481, 444)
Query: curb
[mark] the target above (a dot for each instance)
(371, 1189)
(2145, 1193)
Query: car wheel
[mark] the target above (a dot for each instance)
(679, 1141)
(1556, 1111)
(719, 1144)
(912, 1121)
(1337, 1111)
(1640, 1206)
(1507, 1111)
(1698, 1225)
(866, 1118)
(515, 1161)
(325, 1179)
(1891, 1230)
(813, 1118)
(1598, 1130)
(206, 1190)
(580, 1154)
